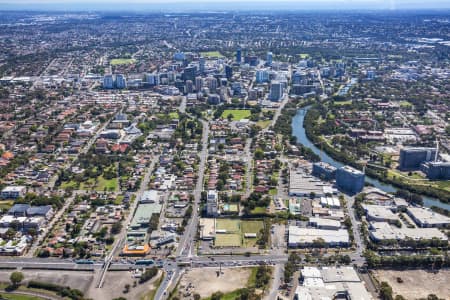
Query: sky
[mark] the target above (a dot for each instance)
(220, 4)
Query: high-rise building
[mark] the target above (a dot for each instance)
(412, 157)
(189, 73)
(179, 56)
(269, 58)
(324, 171)
(198, 84)
(239, 55)
(201, 64)
(212, 84)
(262, 76)
(108, 82)
(276, 91)
(349, 179)
(189, 86)
(228, 72)
(152, 79)
(121, 81)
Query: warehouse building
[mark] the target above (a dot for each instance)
(306, 237)
(427, 218)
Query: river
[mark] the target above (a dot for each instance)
(299, 132)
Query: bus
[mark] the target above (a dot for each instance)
(144, 262)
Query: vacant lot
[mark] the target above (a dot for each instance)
(238, 114)
(416, 283)
(121, 61)
(206, 282)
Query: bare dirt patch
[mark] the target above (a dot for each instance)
(416, 283)
(205, 281)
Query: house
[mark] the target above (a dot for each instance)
(13, 192)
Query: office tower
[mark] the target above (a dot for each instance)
(189, 86)
(412, 157)
(251, 60)
(108, 82)
(212, 84)
(152, 79)
(239, 55)
(370, 74)
(121, 81)
(276, 91)
(198, 84)
(269, 58)
(201, 64)
(262, 76)
(189, 73)
(213, 99)
(436, 170)
(349, 179)
(228, 72)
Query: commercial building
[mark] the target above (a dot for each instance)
(304, 185)
(269, 58)
(436, 170)
(324, 171)
(307, 237)
(331, 283)
(108, 82)
(321, 223)
(151, 196)
(349, 179)
(239, 55)
(121, 81)
(412, 157)
(13, 192)
(276, 91)
(427, 218)
(262, 76)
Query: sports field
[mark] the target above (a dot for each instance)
(235, 231)
(122, 61)
(238, 114)
(210, 54)
(231, 226)
(228, 240)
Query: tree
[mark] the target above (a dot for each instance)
(197, 297)
(386, 291)
(217, 296)
(16, 278)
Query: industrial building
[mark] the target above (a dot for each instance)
(427, 218)
(324, 171)
(306, 237)
(304, 185)
(331, 283)
(412, 157)
(381, 231)
(349, 179)
(379, 213)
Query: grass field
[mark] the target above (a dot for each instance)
(405, 104)
(209, 54)
(18, 297)
(110, 185)
(263, 124)
(228, 224)
(6, 204)
(122, 61)
(258, 210)
(348, 102)
(174, 115)
(252, 226)
(303, 55)
(238, 114)
(228, 240)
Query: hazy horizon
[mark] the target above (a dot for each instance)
(202, 5)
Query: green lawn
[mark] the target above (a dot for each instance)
(228, 224)
(6, 204)
(405, 104)
(263, 124)
(348, 102)
(18, 297)
(258, 210)
(252, 226)
(238, 114)
(303, 55)
(210, 54)
(228, 240)
(174, 115)
(109, 184)
(272, 192)
(122, 61)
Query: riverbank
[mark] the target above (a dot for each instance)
(307, 138)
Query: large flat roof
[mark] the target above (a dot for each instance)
(426, 216)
